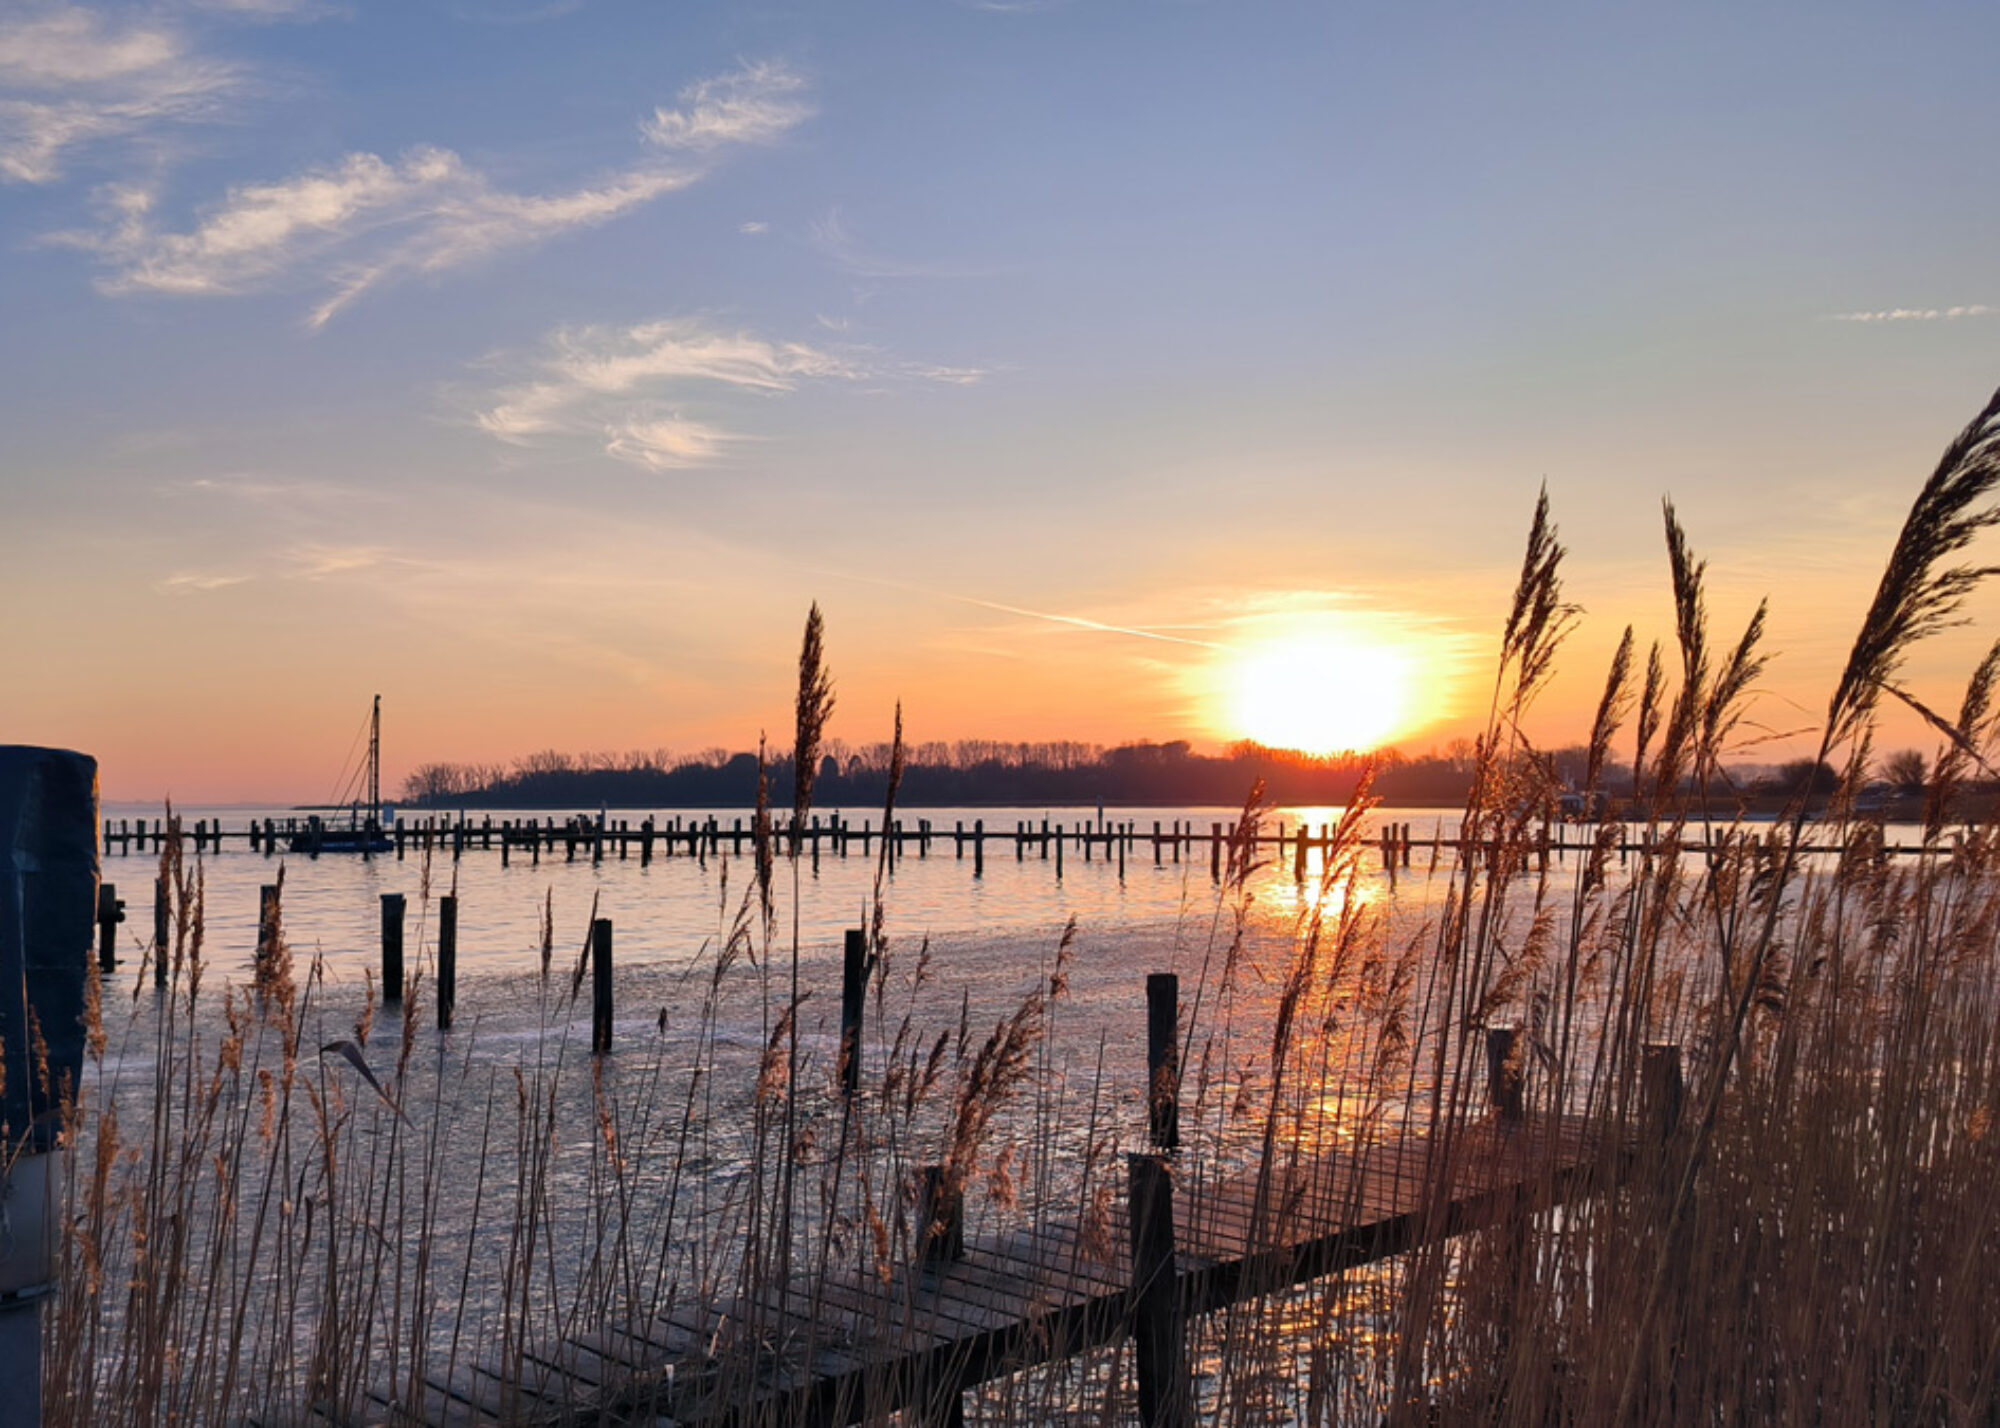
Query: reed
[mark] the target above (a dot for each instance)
(285, 1199)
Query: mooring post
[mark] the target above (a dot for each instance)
(1159, 1319)
(110, 912)
(1506, 1072)
(1661, 1092)
(1059, 852)
(447, 974)
(48, 899)
(1215, 852)
(267, 922)
(1163, 1059)
(392, 947)
(853, 1000)
(600, 986)
(979, 848)
(160, 930)
(940, 1218)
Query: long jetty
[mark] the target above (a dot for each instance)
(596, 839)
(855, 1345)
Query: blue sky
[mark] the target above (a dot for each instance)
(546, 360)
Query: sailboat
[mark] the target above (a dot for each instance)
(362, 830)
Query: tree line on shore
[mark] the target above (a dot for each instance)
(983, 772)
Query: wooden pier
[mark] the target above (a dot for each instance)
(855, 1346)
(857, 1343)
(1400, 845)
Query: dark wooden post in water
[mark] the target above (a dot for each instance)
(161, 933)
(853, 1001)
(447, 992)
(940, 1219)
(1163, 1060)
(1159, 1319)
(110, 912)
(1506, 1072)
(600, 986)
(267, 922)
(1661, 1092)
(392, 947)
(979, 848)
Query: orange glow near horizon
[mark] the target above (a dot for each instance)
(1324, 691)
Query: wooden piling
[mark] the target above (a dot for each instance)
(392, 947)
(979, 848)
(447, 968)
(941, 1214)
(600, 986)
(1163, 1058)
(110, 912)
(1159, 1319)
(1506, 1072)
(853, 1001)
(161, 933)
(1661, 1092)
(267, 922)
(1215, 852)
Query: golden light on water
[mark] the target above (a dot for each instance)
(1322, 691)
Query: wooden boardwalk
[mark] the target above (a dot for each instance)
(857, 1347)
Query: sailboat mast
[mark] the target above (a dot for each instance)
(375, 761)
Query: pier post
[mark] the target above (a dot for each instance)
(392, 947)
(160, 930)
(48, 878)
(1159, 1319)
(940, 1218)
(979, 848)
(1506, 1072)
(110, 912)
(1059, 852)
(600, 986)
(1163, 1060)
(447, 975)
(1215, 852)
(853, 1001)
(267, 922)
(1661, 1092)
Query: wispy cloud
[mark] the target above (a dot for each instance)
(831, 234)
(755, 105)
(1919, 314)
(629, 387)
(192, 582)
(70, 78)
(350, 226)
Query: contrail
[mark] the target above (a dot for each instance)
(1075, 622)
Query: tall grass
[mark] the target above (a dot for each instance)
(285, 1196)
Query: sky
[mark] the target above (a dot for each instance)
(537, 364)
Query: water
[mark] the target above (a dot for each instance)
(666, 913)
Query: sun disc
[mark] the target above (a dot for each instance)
(1321, 694)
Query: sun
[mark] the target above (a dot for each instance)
(1322, 693)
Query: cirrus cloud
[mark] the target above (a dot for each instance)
(631, 389)
(352, 225)
(70, 78)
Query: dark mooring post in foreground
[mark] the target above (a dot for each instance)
(48, 903)
(1159, 1319)
(392, 947)
(600, 986)
(1163, 1060)
(447, 992)
(853, 1001)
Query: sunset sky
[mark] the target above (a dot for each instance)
(536, 363)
